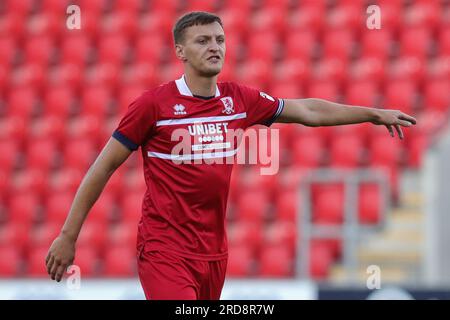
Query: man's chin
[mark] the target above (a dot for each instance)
(210, 72)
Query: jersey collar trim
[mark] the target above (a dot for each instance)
(184, 89)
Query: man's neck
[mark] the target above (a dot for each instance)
(201, 86)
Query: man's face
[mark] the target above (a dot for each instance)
(203, 48)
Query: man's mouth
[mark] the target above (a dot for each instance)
(214, 58)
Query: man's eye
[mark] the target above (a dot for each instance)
(202, 41)
(220, 41)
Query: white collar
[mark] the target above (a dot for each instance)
(184, 89)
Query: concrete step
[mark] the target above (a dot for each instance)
(338, 275)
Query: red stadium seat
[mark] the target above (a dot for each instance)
(262, 46)
(10, 262)
(43, 235)
(439, 67)
(437, 97)
(282, 234)
(39, 50)
(328, 204)
(410, 68)
(400, 95)
(135, 182)
(300, 44)
(124, 233)
(245, 233)
(346, 151)
(416, 149)
(87, 260)
(239, 5)
(80, 153)
(252, 179)
(346, 16)
(131, 208)
(149, 48)
(44, 23)
(323, 89)
(57, 207)
(444, 41)
(338, 43)
(320, 260)
(9, 153)
(240, 261)
(102, 211)
(53, 6)
(15, 234)
(29, 181)
(287, 205)
(22, 102)
(269, 20)
(234, 21)
(254, 73)
(58, 101)
(252, 206)
(362, 93)
(286, 90)
(36, 266)
(68, 74)
(129, 6)
(23, 209)
(120, 22)
(415, 42)
(308, 17)
(385, 150)
(276, 261)
(93, 235)
(41, 154)
(65, 180)
(307, 151)
(377, 43)
(95, 102)
(424, 14)
(112, 49)
(75, 49)
(331, 69)
(367, 68)
(119, 261)
(369, 204)
(8, 50)
(291, 72)
(165, 6)
(158, 21)
(200, 5)
(19, 7)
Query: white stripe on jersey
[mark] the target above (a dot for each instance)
(172, 122)
(192, 156)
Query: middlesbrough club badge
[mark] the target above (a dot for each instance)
(228, 105)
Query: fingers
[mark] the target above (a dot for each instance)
(399, 131)
(50, 260)
(404, 123)
(408, 118)
(391, 131)
(60, 272)
(54, 268)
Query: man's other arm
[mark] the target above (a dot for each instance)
(62, 251)
(317, 112)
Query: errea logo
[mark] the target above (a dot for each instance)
(265, 95)
(179, 109)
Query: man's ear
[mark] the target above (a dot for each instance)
(179, 51)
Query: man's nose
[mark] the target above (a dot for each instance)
(214, 46)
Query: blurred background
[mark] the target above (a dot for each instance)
(345, 199)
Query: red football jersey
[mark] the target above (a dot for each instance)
(185, 203)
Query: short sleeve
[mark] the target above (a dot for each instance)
(261, 107)
(136, 125)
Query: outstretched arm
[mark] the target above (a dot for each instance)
(62, 251)
(317, 112)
